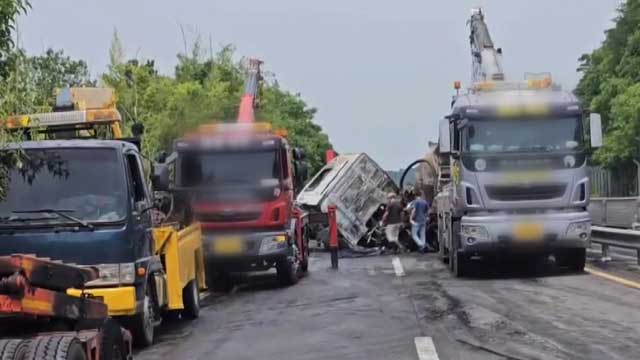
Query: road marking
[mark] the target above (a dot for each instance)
(613, 278)
(426, 349)
(397, 266)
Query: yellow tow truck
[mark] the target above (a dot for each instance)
(79, 194)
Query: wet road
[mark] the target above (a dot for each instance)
(367, 311)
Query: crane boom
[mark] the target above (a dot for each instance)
(246, 111)
(486, 60)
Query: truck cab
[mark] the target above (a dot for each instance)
(241, 180)
(515, 159)
(74, 196)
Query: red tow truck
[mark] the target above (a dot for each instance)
(241, 179)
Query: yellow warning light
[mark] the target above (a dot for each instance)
(103, 115)
(17, 122)
(485, 86)
(539, 83)
(281, 132)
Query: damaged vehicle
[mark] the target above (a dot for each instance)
(358, 187)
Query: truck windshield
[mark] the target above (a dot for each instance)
(88, 184)
(523, 135)
(252, 168)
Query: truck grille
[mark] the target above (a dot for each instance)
(223, 216)
(525, 192)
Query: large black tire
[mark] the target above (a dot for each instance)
(460, 264)
(432, 237)
(13, 349)
(219, 281)
(304, 264)
(142, 325)
(574, 259)
(288, 270)
(113, 346)
(56, 347)
(191, 300)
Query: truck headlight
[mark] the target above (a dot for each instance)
(114, 274)
(127, 273)
(472, 233)
(580, 230)
(273, 243)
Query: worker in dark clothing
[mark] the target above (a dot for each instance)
(392, 219)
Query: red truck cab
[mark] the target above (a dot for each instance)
(241, 181)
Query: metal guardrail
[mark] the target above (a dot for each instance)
(613, 237)
(614, 211)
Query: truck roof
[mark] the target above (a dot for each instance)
(79, 143)
(499, 95)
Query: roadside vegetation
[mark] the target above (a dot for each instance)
(610, 85)
(202, 89)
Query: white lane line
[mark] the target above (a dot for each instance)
(426, 349)
(397, 266)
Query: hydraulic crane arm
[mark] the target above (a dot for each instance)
(487, 61)
(246, 112)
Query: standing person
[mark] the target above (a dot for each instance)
(418, 220)
(392, 219)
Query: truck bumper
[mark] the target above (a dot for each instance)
(513, 233)
(121, 301)
(257, 251)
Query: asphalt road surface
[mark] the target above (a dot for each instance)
(410, 307)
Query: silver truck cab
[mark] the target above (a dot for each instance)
(514, 174)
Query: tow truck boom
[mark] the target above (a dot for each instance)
(246, 112)
(486, 59)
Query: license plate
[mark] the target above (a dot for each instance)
(230, 245)
(528, 232)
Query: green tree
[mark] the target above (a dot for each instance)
(54, 70)
(203, 89)
(609, 85)
(9, 11)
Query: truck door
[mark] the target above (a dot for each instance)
(140, 205)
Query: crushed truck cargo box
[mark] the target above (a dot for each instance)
(357, 185)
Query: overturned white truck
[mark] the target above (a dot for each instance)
(357, 186)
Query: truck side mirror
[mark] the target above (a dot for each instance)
(302, 173)
(299, 154)
(595, 128)
(444, 137)
(161, 157)
(160, 178)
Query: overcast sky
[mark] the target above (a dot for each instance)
(379, 72)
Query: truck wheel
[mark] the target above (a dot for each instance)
(460, 264)
(13, 349)
(56, 347)
(452, 240)
(304, 264)
(288, 269)
(219, 281)
(191, 300)
(142, 324)
(112, 347)
(574, 259)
